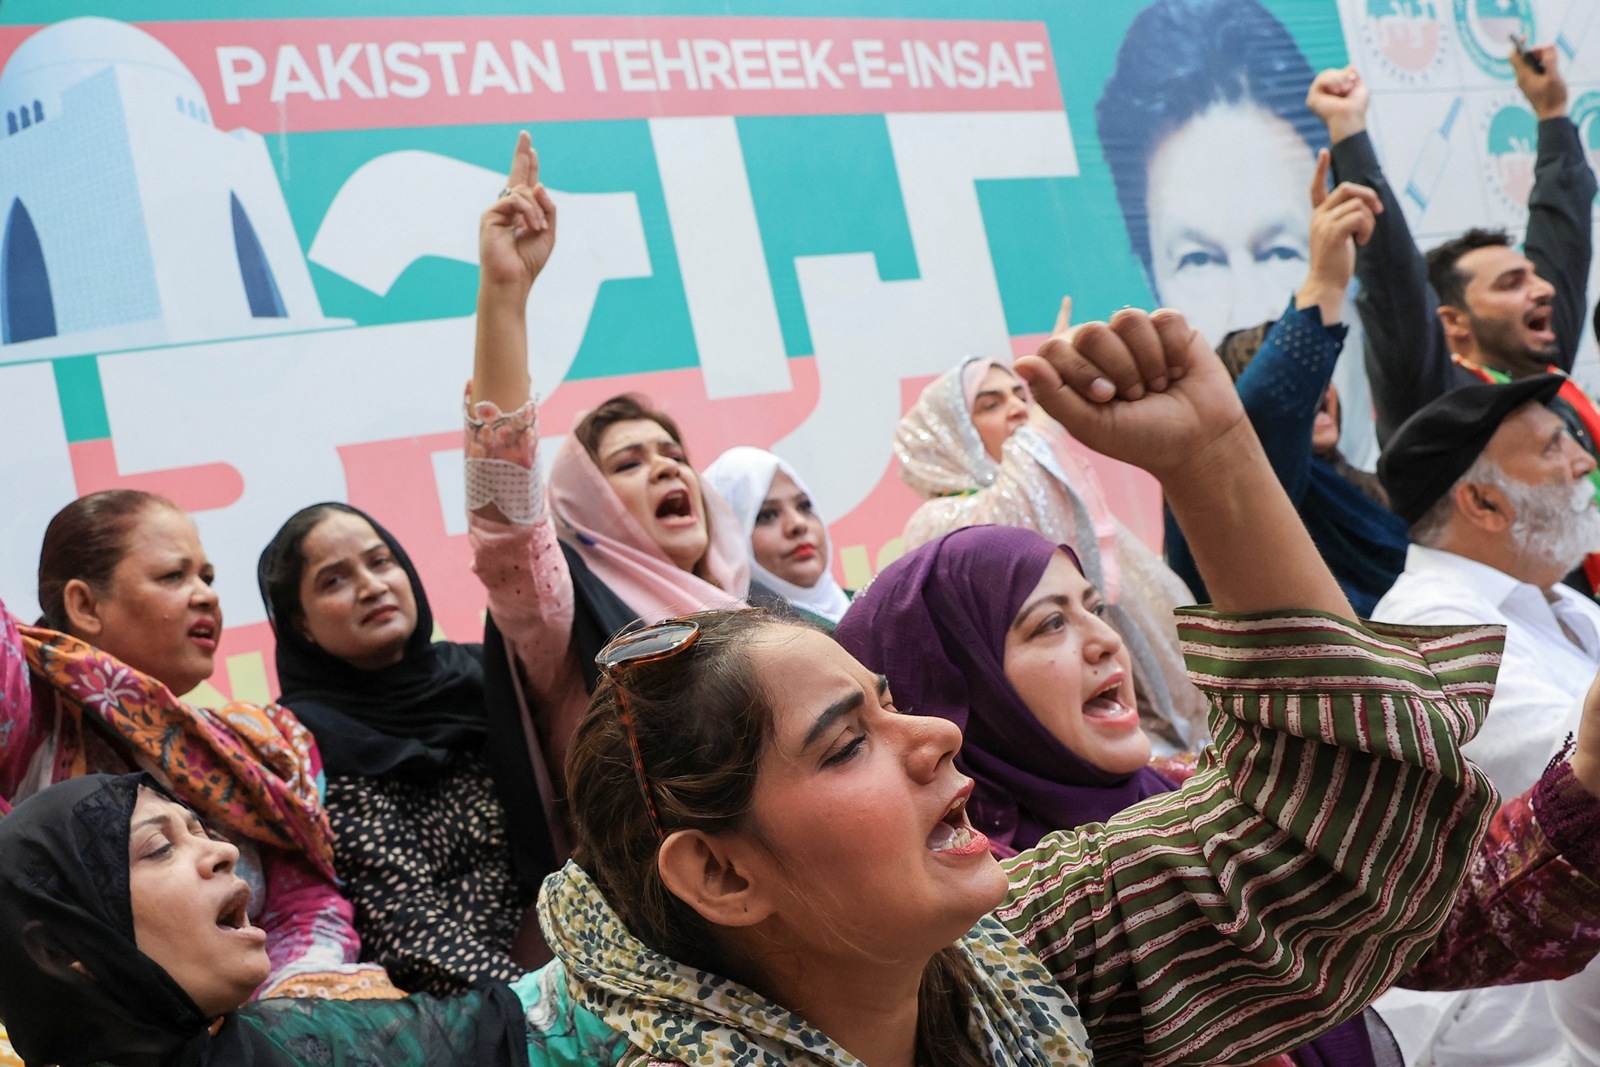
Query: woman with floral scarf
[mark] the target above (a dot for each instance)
(130, 622)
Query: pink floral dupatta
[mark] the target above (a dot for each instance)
(247, 768)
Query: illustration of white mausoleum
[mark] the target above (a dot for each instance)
(126, 218)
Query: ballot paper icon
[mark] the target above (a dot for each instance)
(1575, 27)
(1429, 167)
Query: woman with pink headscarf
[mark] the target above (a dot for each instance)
(624, 529)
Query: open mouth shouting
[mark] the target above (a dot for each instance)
(676, 509)
(954, 834)
(234, 916)
(1539, 324)
(1106, 705)
(203, 634)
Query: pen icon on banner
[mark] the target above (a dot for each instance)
(1575, 26)
(1430, 163)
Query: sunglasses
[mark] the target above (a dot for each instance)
(649, 644)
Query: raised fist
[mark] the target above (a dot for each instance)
(1144, 388)
(1339, 97)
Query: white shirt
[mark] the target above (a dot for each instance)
(1538, 700)
(1543, 676)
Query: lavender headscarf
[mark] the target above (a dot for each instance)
(934, 622)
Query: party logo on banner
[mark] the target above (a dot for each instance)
(1405, 37)
(1486, 28)
(1510, 137)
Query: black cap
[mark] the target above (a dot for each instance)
(1434, 447)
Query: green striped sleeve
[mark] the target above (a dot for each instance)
(1305, 866)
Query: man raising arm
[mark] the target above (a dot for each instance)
(1510, 315)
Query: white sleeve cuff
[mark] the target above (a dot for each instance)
(510, 487)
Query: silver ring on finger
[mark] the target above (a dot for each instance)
(504, 193)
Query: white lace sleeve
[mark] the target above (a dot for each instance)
(508, 486)
(501, 468)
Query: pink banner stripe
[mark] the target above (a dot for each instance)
(292, 75)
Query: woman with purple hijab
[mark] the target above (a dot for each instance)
(943, 649)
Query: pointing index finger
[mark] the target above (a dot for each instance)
(524, 164)
(1319, 179)
(1064, 316)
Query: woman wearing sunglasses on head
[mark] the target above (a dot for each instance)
(640, 536)
(775, 866)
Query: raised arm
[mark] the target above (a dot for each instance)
(1529, 909)
(1285, 383)
(1341, 221)
(1148, 390)
(1408, 360)
(1559, 241)
(515, 239)
(1281, 390)
(515, 553)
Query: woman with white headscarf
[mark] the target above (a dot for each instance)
(791, 555)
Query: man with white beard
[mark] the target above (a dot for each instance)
(1501, 506)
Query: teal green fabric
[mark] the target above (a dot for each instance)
(562, 1033)
(424, 1030)
(419, 1031)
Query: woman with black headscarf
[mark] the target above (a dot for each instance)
(423, 839)
(124, 940)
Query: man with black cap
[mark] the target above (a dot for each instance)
(1500, 506)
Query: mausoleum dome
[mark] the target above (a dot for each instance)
(61, 55)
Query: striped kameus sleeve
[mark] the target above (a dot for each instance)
(1308, 862)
